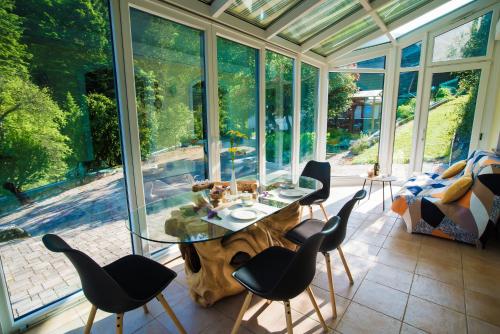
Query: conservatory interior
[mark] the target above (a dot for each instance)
(249, 166)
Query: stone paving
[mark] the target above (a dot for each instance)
(90, 217)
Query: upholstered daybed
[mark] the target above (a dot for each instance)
(470, 218)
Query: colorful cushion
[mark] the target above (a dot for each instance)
(457, 189)
(454, 169)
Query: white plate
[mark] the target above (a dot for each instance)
(292, 193)
(244, 214)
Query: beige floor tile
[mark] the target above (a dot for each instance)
(440, 243)
(477, 326)
(407, 329)
(359, 319)
(391, 277)
(186, 311)
(381, 298)
(342, 285)
(361, 249)
(482, 281)
(271, 319)
(302, 304)
(369, 237)
(380, 225)
(152, 327)
(407, 247)
(433, 318)
(438, 292)
(67, 321)
(399, 231)
(132, 321)
(484, 307)
(440, 271)
(452, 256)
(396, 259)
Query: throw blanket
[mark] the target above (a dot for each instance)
(467, 219)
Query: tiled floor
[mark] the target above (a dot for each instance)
(404, 283)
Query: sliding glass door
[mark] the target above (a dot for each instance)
(450, 117)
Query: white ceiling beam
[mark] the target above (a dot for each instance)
(291, 16)
(378, 21)
(396, 24)
(357, 55)
(219, 6)
(314, 41)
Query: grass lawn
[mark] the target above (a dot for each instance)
(438, 139)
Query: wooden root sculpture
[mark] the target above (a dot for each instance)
(209, 265)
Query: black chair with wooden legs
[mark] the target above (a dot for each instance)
(121, 286)
(319, 171)
(302, 232)
(279, 274)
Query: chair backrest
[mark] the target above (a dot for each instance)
(300, 272)
(335, 239)
(98, 286)
(319, 171)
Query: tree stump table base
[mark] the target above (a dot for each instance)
(209, 264)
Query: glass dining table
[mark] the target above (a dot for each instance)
(217, 232)
(192, 217)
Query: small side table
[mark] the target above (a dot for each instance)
(384, 180)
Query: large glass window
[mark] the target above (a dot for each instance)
(410, 56)
(237, 65)
(260, 12)
(309, 95)
(465, 41)
(405, 123)
(170, 95)
(451, 116)
(354, 115)
(279, 113)
(60, 153)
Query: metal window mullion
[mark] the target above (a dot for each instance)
(261, 131)
(296, 118)
(122, 43)
(321, 130)
(212, 79)
(386, 115)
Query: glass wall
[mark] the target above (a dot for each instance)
(309, 96)
(237, 66)
(60, 152)
(405, 123)
(451, 116)
(354, 115)
(169, 75)
(465, 41)
(279, 113)
(410, 55)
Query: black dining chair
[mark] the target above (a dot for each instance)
(280, 274)
(303, 231)
(121, 286)
(319, 171)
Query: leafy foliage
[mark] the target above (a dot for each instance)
(33, 149)
(340, 90)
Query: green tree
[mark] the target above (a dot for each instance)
(341, 87)
(74, 130)
(13, 53)
(33, 151)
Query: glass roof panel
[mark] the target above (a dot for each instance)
(260, 12)
(396, 9)
(323, 16)
(346, 36)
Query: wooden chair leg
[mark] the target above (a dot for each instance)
(300, 214)
(145, 307)
(244, 308)
(171, 313)
(330, 284)
(90, 320)
(288, 315)
(316, 308)
(341, 253)
(310, 211)
(324, 211)
(119, 323)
